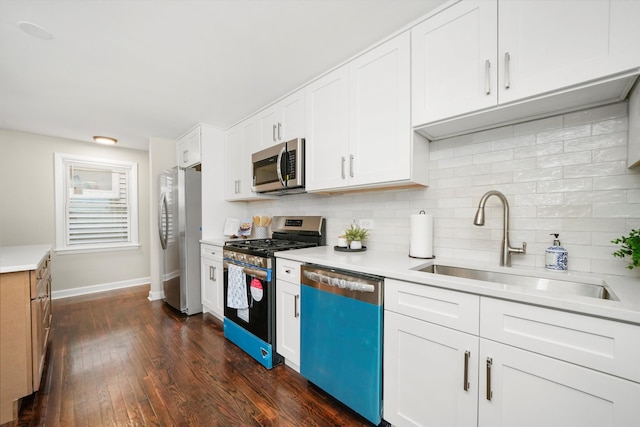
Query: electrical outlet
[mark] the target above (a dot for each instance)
(366, 223)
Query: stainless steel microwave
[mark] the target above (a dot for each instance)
(279, 169)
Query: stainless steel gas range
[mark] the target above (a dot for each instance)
(249, 283)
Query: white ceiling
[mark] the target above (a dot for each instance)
(142, 68)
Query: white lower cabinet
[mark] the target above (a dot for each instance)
(288, 312)
(526, 389)
(525, 366)
(430, 374)
(212, 280)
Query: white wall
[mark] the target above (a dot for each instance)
(566, 174)
(27, 210)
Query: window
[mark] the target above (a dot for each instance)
(96, 204)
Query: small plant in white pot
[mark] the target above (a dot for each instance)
(355, 235)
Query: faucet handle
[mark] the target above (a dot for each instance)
(524, 247)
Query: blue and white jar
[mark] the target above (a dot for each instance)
(556, 256)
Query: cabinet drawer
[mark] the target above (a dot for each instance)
(452, 309)
(288, 270)
(211, 251)
(39, 275)
(600, 344)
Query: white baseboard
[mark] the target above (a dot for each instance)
(154, 296)
(65, 293)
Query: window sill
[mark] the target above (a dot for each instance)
(95, 249)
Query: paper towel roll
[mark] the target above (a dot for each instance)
(421, 236)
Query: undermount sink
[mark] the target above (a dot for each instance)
(517, 282)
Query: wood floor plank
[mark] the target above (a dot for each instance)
(117, 359)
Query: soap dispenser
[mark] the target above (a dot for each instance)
(556, 256)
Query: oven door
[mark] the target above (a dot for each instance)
(248, 295)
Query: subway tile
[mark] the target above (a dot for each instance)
(537, 126)
(572, 132)
(455, 162)
(595, 169)
(470, 149)
(633, 196)
(630, 181)
(516, 166)
(611, 154)
(538, 150)
(619, 124)
(546, 199)
(593, 224)
(493, 179)
(565, 185)
(594, 197)
(515, 142)
(493, 156)
(567, 159)
(596, 114)
(596, 142)
(565, 211)
(538, 174)
(616, 211)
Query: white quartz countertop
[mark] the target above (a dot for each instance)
(21, 258)
(402, 267)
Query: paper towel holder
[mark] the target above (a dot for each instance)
(421, 212)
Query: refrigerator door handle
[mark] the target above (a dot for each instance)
(163, 214)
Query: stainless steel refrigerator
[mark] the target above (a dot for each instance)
(180, 231)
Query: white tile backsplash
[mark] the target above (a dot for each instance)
(564, 174)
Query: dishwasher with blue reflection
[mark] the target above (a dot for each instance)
(341, 336)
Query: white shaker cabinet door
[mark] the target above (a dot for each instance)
(548, 45)
(430, 374)
(327, 131)
(526, 389)
(380, 119)
(454, 61)
(288, 322)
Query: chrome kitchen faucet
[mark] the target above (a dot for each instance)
(505, 250)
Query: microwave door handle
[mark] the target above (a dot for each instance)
(279, 165)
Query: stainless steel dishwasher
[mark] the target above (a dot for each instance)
(341, 336)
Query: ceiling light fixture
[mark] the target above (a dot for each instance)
(105, 140)
(35, 30)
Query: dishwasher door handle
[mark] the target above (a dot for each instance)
(349, 285)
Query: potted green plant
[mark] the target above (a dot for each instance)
(355, 235)
(630, 247)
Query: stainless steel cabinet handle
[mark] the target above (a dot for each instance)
(507, 74)
(351, 165)
(487, 77)
(287, 271)
(212, 276)
(279, 133)
(467, 355)
(296, 313)
(489, 392)
(273, 133)
(185, 156)
(342, 167)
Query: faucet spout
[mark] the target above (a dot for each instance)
(506, 250)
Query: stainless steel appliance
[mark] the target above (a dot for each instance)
(179, 229)
(249, 284)
(279, 169)
(341, 336)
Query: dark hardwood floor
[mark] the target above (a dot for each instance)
(115, 358)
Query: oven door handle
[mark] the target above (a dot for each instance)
(254, 272)
(261, 274)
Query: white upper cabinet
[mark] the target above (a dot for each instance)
(283, 121)
(545, 46)
(358, 123)
(484, 63)
(454, 64)
(188, 148)
(327, 130)
(240, 142)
